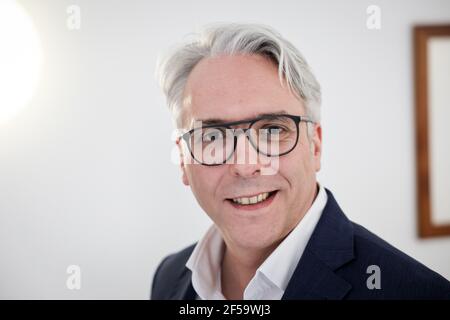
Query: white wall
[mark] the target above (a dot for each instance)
(85, 170)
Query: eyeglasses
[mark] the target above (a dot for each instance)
(270, 135)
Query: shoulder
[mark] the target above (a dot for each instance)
(169, 270)
(401, 276)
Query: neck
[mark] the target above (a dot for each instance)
(238, 268)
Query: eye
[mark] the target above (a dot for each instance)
(209, 137)
(273, 129)
(212, 134)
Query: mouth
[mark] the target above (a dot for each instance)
(253, 202)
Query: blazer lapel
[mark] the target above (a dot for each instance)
(330, 247)
(184, 289)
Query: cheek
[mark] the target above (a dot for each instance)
(297, 168)
(203, 181)
(292, 165)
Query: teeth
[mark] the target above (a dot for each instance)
(252, 200)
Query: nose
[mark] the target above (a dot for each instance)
(246, 162)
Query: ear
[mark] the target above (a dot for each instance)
(184, 177)
(317, 146)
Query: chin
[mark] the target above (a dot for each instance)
(254, 238)
(257, 230)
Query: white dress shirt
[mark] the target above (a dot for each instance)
(272, 277)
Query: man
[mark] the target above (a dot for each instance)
(241, 92)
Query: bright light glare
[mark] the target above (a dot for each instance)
(20, 59)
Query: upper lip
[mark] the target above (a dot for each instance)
(251, 195)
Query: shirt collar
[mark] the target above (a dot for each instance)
(205, 264)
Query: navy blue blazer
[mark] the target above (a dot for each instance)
(334, 266)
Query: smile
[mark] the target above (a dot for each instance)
(253, 202)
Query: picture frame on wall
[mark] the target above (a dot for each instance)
(432, 97)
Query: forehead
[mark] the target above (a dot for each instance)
(236, 87)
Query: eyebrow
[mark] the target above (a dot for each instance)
(212, 121)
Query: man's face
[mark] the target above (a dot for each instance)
(233, 88)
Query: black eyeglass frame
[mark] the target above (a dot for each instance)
(297, 119)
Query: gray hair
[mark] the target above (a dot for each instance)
(232, 39)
